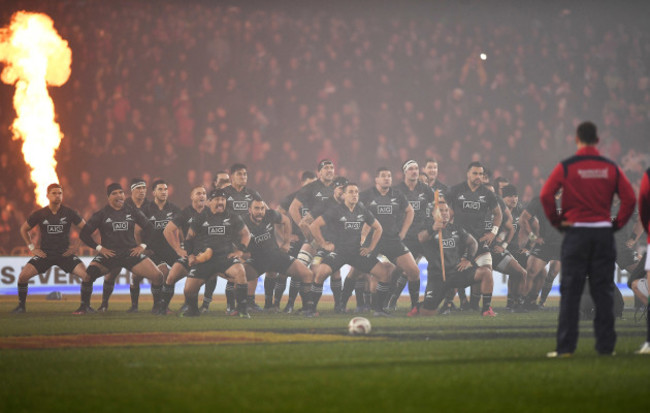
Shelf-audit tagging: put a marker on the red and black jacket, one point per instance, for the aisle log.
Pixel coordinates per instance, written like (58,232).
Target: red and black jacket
(589,182)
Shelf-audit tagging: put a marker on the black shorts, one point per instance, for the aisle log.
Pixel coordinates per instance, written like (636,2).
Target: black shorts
(271,261)
(521,257)
(184,262)
(625,256)
(500,260)
(413,245)
(391,249)
(437,289)
(67,264)
(547,252)
(218,264)
(335,260)
(168,258)
(120,260)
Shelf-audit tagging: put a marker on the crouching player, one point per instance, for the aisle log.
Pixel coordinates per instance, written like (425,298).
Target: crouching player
(458,246)
(211,240)
(264,252)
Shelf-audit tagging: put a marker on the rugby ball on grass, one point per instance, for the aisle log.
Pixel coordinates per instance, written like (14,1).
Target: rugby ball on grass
(359,326)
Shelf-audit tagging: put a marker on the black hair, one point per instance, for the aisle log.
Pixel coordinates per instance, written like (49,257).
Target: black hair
(587,133)
(382,169)
(158,182)
(237,167)
(475,164)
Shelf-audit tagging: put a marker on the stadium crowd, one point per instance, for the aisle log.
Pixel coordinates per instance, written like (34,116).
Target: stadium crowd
(181,90)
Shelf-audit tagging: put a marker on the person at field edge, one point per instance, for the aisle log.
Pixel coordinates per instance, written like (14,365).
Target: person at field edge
(589,182)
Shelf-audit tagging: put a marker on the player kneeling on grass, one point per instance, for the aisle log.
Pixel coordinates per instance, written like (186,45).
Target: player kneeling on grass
(264,254)
(459,272)
(211,240)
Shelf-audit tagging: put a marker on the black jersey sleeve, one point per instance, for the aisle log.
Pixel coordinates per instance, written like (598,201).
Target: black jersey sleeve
(87,231)
(274,216)
(367,216)
(34,219)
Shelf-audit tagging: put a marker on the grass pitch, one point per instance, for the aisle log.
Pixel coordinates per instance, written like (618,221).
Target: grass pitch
(283,363)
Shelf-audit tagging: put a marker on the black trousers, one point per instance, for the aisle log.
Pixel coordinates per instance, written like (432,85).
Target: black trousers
(587,252)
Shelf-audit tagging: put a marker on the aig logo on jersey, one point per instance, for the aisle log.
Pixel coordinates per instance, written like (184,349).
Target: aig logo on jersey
(472,205)
(353,225)
(261,238)
(415,205)
(384,209)
(161,224)
(449,243)
(55,229)
(240,205)
(217,230)
(120,226)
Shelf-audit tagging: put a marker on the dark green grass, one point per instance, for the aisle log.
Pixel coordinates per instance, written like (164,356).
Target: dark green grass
(456,363)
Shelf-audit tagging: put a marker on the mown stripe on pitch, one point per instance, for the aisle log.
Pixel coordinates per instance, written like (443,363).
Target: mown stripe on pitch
(162,339)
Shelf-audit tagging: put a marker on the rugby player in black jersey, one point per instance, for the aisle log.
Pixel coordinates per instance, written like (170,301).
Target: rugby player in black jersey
(395,214)
(545,247)
(421,197)
(460,272)
(264,254)
(175,233)
(472,204)
(160,213)
(221,180)
(431,171)
(346,222)
(516,285)
(138,200)
(54,222)
(116,223)
(238,197)
(502,260)
(308,197)
(215,232)
(331,203)
(297,239)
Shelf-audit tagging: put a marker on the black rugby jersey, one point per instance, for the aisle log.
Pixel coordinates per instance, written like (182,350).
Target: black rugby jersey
(54,228)
(546,230)
(217,231)
(388,209)
(454,245)
(184,219)
(471,208)
(504,218)
(263,234)
(516,213)
(421,199)
(285,204)
(116,228)
(159,218)
(319,210)
(129,202)
(346,226)
(239,201)
(313,194)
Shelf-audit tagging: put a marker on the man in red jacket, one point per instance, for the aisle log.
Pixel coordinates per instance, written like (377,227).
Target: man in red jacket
(589,182)
(644,213)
